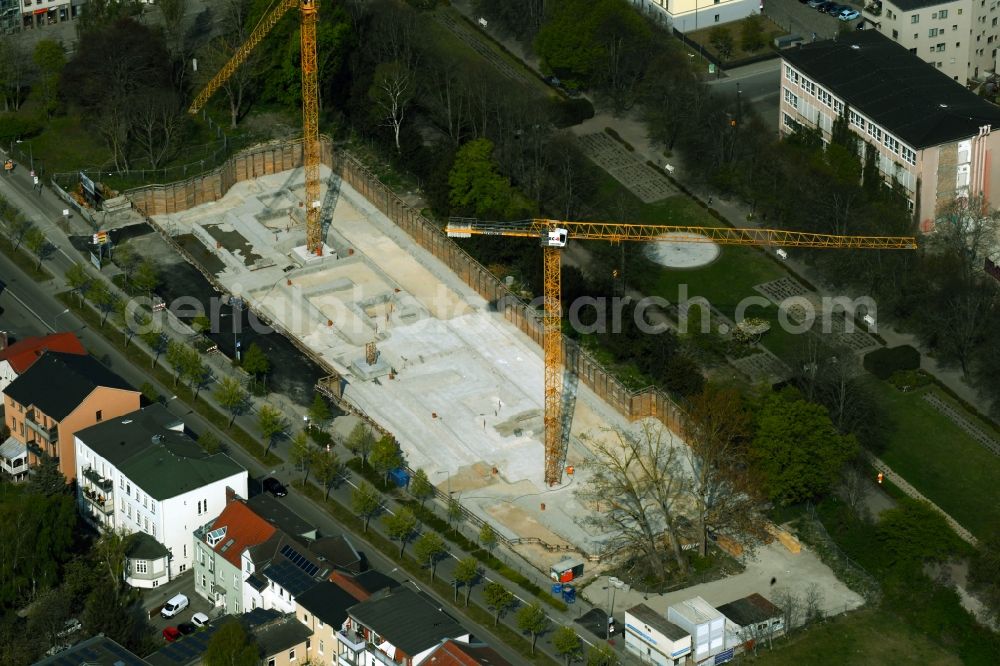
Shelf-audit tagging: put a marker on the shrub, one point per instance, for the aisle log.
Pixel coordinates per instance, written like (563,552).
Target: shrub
(883,362)
(569,112)
(15,126)
(906,380)
(617,137)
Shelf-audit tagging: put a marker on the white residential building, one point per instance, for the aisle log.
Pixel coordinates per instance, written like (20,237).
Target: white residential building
(653,639)
(691,15)
(707,627)
(959,37)
(141,473)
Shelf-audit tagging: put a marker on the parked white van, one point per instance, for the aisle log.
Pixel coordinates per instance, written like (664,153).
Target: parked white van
(174,606)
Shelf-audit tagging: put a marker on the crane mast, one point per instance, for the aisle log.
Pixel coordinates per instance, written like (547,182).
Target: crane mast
(553,235)
(310,100)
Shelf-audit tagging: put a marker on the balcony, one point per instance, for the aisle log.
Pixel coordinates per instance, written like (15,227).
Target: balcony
(92,475)
(872,11)
(99,502)
(352,640)
(50,434)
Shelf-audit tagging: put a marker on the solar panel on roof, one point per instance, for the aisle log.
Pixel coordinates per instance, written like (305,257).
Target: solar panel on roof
(299,560)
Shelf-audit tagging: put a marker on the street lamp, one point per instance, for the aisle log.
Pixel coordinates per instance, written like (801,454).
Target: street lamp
(612,589)
(31,153)
(444,471)
(56,320)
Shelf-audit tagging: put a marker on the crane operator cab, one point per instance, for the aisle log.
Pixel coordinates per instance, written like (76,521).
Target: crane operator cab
(554,238)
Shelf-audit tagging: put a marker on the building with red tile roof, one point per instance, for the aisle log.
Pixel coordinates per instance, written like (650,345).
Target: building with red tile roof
(18,357)
(455,653)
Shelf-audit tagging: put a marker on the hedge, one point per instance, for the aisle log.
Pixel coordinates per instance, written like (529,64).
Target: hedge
(885,361)
(573,111)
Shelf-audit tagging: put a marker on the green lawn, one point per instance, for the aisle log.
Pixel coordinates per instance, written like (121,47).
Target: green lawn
(862,638)
(940,460)
(67,145)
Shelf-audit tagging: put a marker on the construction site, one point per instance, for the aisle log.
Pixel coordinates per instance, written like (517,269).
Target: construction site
(417,350)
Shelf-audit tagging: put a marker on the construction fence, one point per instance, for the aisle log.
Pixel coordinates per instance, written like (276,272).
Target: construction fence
(280,156)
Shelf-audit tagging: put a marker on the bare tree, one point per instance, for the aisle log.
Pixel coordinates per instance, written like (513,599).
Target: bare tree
(392,92)
(967,230)
(855,486)
(114,124)
(635,488)
(791,607)
(716,428)
(813,603)
(156,124)
(15,59)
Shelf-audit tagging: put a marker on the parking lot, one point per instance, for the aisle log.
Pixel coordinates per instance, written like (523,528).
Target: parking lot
(153,599)
(803,20)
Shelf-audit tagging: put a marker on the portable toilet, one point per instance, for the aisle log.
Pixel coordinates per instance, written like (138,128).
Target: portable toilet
(569,594)
(399,477)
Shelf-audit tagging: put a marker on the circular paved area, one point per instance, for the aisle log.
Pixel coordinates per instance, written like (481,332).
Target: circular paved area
(682,254)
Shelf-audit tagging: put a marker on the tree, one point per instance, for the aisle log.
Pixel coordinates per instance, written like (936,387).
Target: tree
(105,300)
(271,423)
(466,573)
(752,33)
(301,454)
(477,188)
(50,59)
(912,533)
(566,643)
(429,548)
(231,395)
(232,645)
(110,550)
(366,502)
(635,492)
(198,374)
(14,66)
(717,428)
(984,571)
(156,122)
(145,278)
(329,469)
(360,442)
(209,442)
(132,319)
(79,280)
(255,361)
(49,613)
(487,538)
(38,244)
(796,452)
(17,228)
(47,480)
(393,89)
(158,342)
(127,260)
(386,456)
(533,620)
(454,510)
(201,324)
(602,654)
(498,599)
(319,411)
(420,487)
(720,38)
(401,526)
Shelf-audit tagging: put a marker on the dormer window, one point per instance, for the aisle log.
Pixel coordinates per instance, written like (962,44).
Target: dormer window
(215,536)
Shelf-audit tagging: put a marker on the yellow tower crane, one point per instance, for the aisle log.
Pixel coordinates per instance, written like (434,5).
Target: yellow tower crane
(554,234)
(310,100)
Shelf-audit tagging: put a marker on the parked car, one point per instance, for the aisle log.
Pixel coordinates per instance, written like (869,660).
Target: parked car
(186,628)
(171,634)
(815,3)
(849,15)
(824,6)
(174,606)
(70,628)
(835,9)
(275,487)
(199,620)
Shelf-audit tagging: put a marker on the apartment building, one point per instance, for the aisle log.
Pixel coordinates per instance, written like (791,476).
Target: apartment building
(40,13)
(932,135)
(691,15)
(653,639)
(959,37)
(15,359)
(59,395)
(141,473)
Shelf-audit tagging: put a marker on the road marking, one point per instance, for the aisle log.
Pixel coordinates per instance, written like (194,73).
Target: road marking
(25,306)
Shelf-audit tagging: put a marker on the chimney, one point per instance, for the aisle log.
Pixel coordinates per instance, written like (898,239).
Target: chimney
(230,495)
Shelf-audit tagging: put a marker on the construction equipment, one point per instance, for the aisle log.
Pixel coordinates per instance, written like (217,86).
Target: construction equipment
(554,235)
(310,100)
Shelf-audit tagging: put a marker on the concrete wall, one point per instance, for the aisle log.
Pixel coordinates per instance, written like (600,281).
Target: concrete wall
(280,156)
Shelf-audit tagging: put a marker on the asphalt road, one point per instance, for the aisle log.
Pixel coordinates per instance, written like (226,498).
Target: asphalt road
(30,308)
(758,86)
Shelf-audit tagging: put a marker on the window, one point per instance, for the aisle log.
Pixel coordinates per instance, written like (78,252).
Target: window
(140,567)
(716,18)
(895,34)
(875,132)
(128,488)
(791,99)
(943,14)
(915,18)
(940,47)
(824,97)
(145,524)
(248,566)
(838,106)
(201,556)
(954,28)
(909,156)
(305,617)
(791,74)
(185,551)
(153,533)
(203,581)
(236,604)
(97,416)
(270,662)
(291,655)
(808,86)
(236,580)
(857,120)
(891,143)
(932,32)
(320,650)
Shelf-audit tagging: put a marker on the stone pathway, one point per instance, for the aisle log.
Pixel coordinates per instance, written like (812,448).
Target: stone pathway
(467,35)
(626,167)
(762,366)
(902,484)
(965,424)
